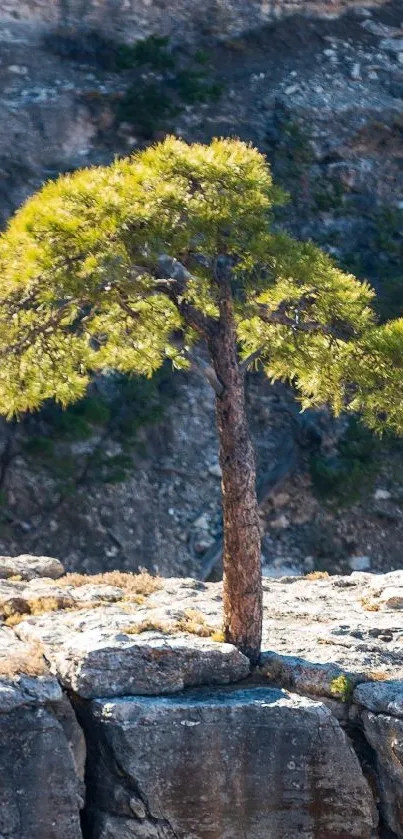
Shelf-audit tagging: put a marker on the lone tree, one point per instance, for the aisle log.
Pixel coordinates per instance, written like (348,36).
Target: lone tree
(121,267)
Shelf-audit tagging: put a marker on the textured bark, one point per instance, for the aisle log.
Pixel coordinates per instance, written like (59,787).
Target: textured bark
(241,557)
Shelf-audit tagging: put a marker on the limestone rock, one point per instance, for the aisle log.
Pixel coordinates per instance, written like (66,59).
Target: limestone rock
(381,697)
(91,654)
(317,629)
(224,764)
(39,792)
(42,751)
(24,678)
(385,735)
(139,18)
(27,567)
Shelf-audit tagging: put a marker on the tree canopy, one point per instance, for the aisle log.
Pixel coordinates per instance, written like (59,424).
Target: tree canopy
(118,267)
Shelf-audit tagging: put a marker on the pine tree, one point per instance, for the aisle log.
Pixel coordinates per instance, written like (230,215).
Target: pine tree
(126,265)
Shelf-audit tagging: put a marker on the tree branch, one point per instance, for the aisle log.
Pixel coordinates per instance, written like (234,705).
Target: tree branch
(280,318)
(171,269)
(201,366)
(37,331)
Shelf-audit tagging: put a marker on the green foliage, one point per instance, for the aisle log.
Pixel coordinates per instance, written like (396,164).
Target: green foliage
(161,80)
(38,446)
(83,287)
(380,256)
(329,195)
(153,51)
(342,688)
(192,86)
(136,403)
(343,475)
(92,47)
(148,107)
(152,101)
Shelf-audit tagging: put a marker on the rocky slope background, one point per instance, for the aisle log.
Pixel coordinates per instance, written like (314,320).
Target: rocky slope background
(129,478)
(123,715)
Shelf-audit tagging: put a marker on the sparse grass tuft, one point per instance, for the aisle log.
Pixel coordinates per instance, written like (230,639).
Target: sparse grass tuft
(14,619)
(140,584)
(150,625)
(191,621)
(317,575)
(28,663)
(369,605)
(218,636)
(41,605)
(194,622)
(16,610)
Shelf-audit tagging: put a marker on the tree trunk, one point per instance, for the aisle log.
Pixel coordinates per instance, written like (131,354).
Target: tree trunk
(241,557)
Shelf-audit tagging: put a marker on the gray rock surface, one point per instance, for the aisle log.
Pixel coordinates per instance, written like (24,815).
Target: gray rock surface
(42,749)
(224,764)
(385,735)
(136,18)
(91,654)
(315,630)
(381,697)
(28,567)
(335,638)
(39,789)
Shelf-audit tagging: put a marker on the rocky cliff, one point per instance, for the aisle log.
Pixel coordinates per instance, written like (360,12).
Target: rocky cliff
(132,19)
(119,700)
(322,98)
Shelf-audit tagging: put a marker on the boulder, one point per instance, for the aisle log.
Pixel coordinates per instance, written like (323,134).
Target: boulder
(227,763)
(27,567)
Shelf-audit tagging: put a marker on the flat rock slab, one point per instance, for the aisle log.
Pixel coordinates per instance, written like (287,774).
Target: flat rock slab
(19,597)
(314,630)
(28,567)
(254,763)
(91,654)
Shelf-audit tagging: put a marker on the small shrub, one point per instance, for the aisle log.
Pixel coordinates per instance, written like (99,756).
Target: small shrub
(342,688)
(154,51)
(348,471)
(148,107)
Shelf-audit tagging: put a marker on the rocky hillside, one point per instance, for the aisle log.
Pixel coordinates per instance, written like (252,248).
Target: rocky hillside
(109,687)
(129,478)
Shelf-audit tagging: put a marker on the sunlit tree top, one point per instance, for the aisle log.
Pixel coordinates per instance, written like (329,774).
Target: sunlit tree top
(122,266)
